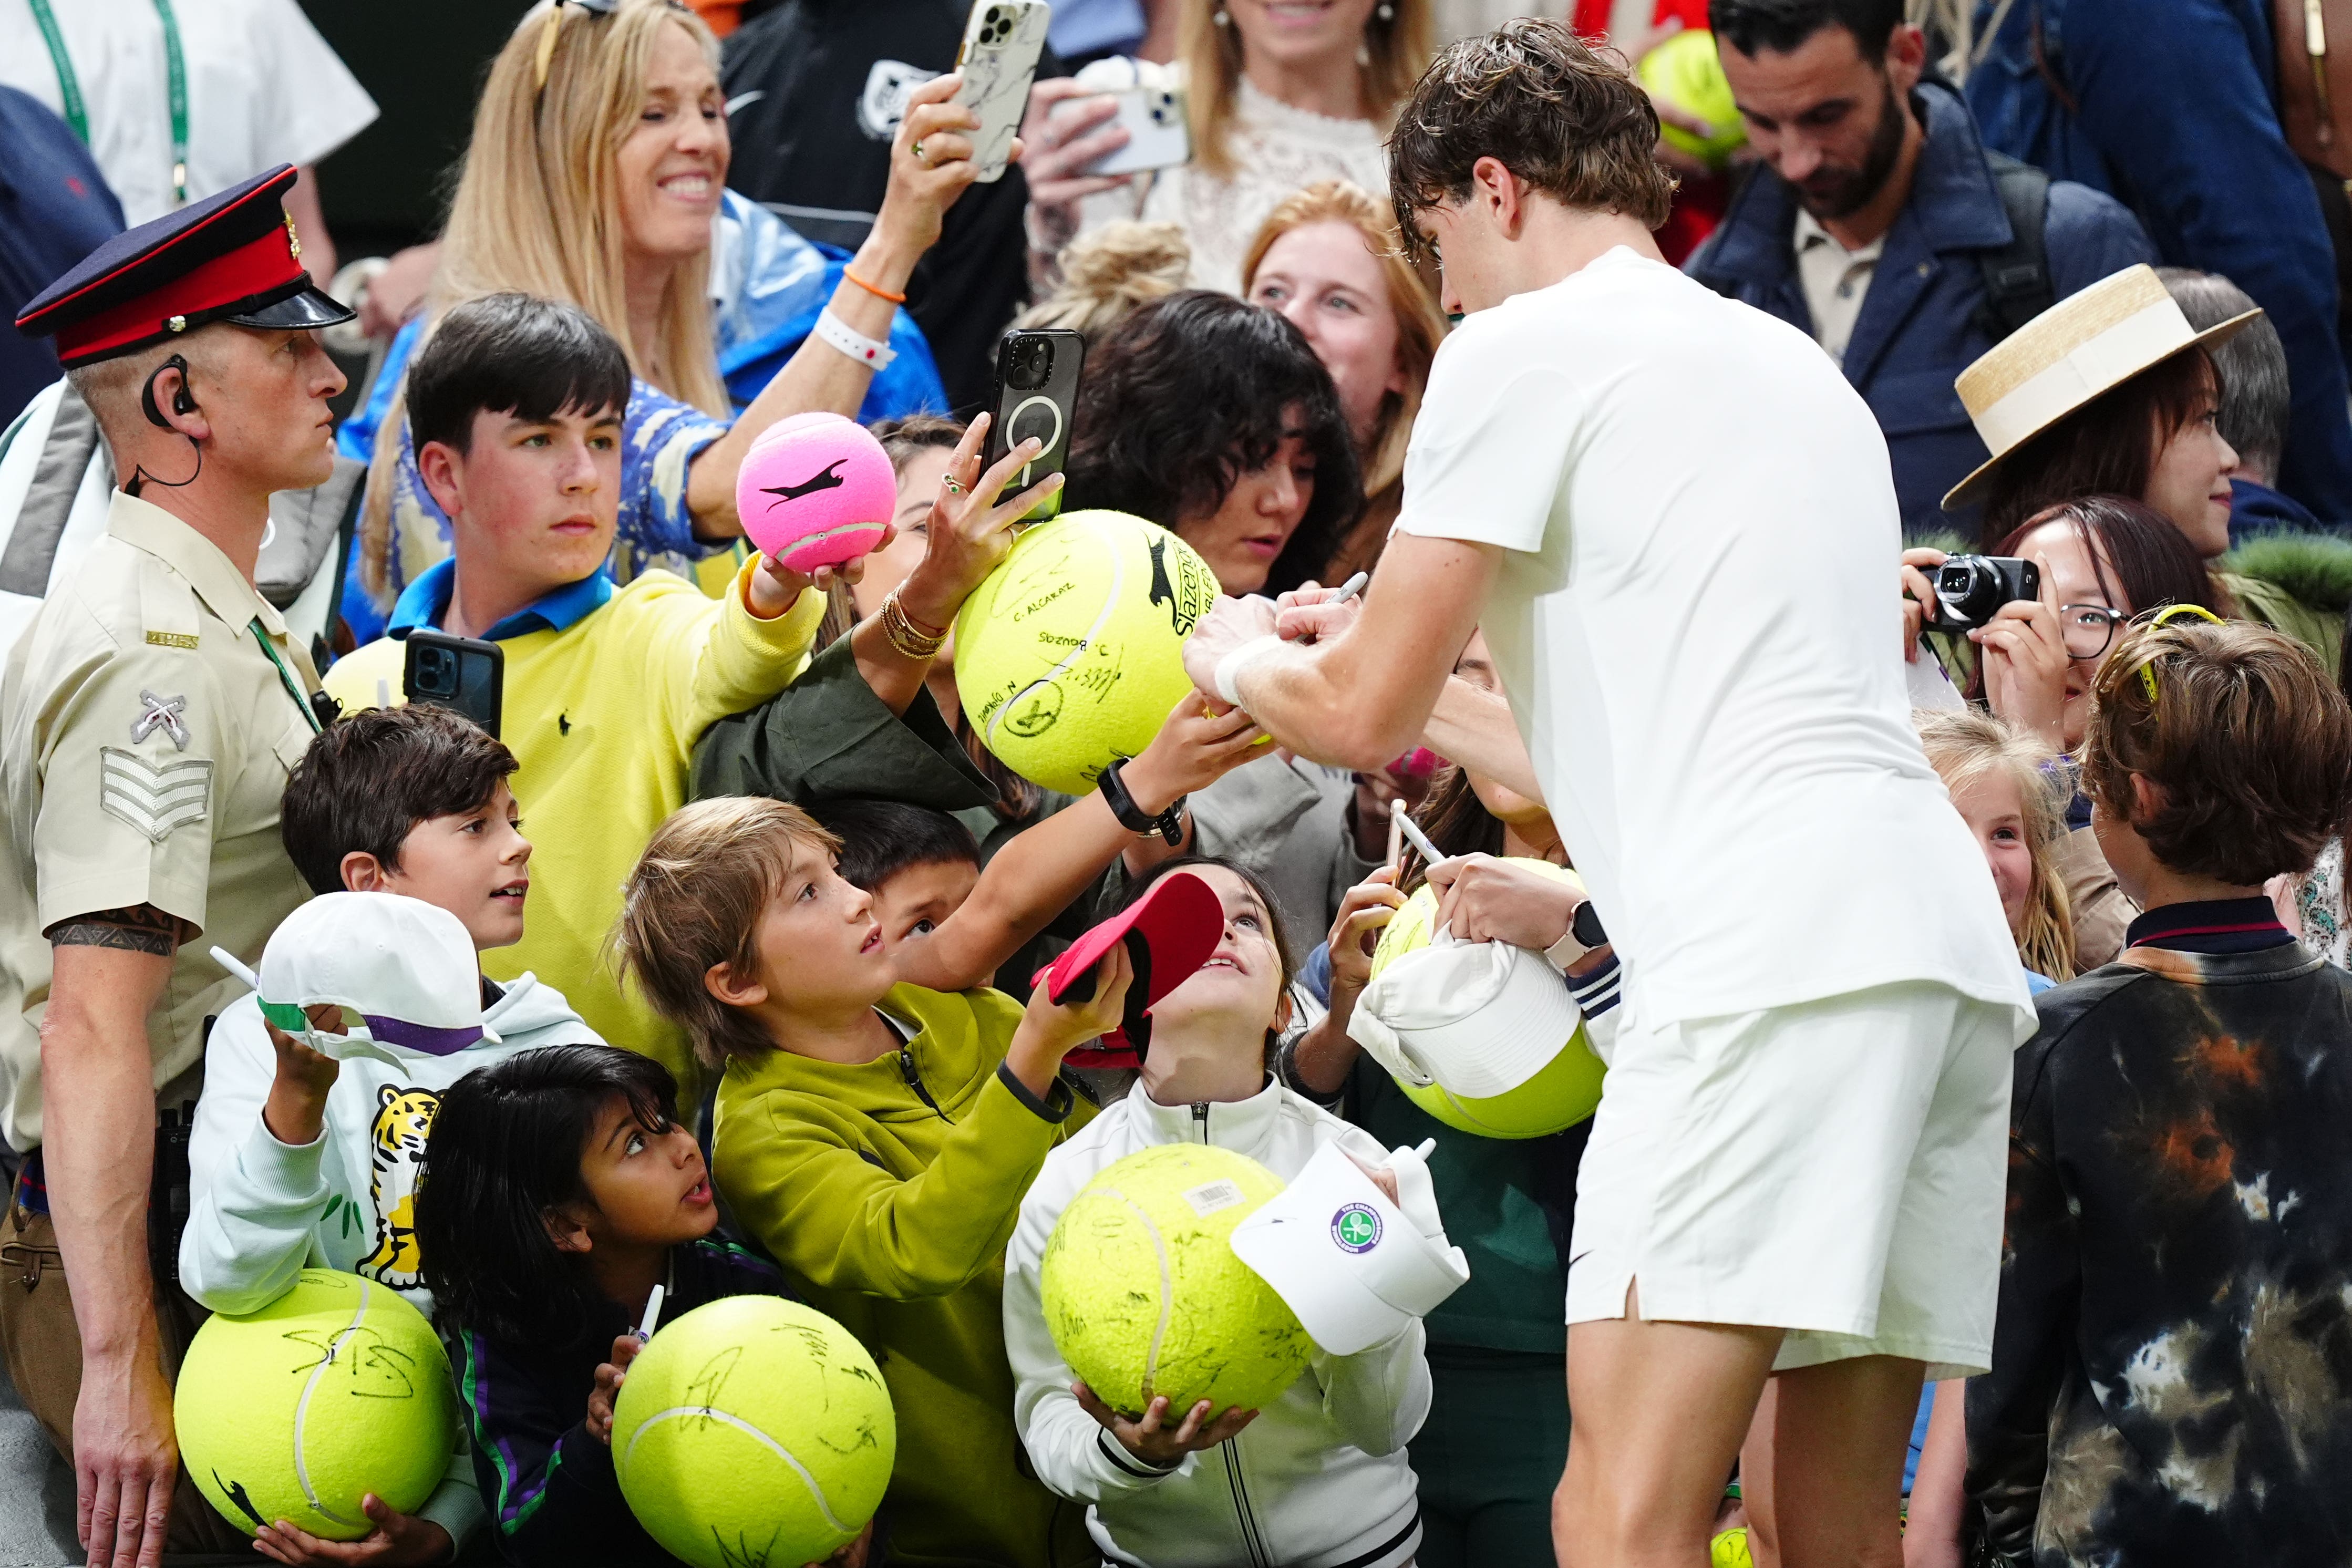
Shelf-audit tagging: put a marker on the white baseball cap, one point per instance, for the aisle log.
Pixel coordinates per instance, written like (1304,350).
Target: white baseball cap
(1354,1267)
(405,968)
(1476,1018)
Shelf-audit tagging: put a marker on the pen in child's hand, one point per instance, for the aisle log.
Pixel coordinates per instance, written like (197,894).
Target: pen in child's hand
(652,1315)
(1411,829)
(1351,587)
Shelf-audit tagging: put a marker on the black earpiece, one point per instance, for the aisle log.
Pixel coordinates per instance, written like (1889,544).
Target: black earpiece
(182,400)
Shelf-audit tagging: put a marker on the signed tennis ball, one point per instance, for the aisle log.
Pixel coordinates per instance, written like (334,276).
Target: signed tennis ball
(1686,72)
(816,490)
(1071,654)
(753,1429)
(297,1411)
(1144,1295)
(1564,1092)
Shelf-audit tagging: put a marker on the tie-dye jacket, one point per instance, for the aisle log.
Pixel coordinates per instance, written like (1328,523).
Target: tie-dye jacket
(2172,1367)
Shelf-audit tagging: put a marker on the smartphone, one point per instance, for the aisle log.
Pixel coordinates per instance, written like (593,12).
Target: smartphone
(1002,41)
(1036,390)
(1157,134)
(460,674)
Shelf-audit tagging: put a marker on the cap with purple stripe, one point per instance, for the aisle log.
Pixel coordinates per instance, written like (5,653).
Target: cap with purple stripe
(405,969)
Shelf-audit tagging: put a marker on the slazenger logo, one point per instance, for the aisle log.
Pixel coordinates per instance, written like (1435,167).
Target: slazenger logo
(1356,1227)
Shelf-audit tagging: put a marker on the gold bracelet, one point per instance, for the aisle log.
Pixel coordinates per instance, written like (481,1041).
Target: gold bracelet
(900,628)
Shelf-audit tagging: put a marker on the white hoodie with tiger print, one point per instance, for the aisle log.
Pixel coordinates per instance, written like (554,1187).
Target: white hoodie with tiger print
(261,1211)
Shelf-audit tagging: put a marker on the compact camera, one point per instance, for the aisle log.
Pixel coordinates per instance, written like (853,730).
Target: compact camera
(1972,589)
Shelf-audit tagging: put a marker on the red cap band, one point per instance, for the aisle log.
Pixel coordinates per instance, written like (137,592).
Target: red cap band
(257,268)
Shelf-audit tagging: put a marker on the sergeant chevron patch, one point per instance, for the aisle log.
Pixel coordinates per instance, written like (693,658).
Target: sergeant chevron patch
(156,798)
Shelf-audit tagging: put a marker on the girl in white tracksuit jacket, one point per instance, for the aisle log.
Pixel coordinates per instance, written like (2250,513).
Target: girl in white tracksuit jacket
(1320,1479)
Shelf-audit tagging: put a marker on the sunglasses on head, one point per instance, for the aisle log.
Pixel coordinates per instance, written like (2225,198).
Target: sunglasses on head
(554,24)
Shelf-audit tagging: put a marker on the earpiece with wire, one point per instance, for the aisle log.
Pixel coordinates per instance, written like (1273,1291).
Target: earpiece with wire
(183,401)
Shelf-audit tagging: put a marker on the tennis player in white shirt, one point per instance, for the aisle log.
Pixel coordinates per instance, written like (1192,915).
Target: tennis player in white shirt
(1672,518)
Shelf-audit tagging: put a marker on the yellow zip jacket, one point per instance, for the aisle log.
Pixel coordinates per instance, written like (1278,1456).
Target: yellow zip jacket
(602,713)
(888,1192)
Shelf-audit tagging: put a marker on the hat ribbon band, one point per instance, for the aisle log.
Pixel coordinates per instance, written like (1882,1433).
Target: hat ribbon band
(2152,334)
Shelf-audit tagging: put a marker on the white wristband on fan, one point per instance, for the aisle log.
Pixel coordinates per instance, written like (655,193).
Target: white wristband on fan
(1230,667)
(871,352)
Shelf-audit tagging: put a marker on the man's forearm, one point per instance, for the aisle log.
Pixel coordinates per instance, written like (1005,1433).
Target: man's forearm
(98,1140)
(1474,728)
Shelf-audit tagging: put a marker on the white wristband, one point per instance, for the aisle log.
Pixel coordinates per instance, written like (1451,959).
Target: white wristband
(1230,667)
(871,352)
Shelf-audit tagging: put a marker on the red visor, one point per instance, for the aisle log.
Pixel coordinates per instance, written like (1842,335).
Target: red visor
(1170,933)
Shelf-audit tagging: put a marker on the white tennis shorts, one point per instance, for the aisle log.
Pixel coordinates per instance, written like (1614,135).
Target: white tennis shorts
(1836,1169)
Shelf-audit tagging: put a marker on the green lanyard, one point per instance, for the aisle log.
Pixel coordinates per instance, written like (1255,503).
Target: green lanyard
(293,687)
(175,69)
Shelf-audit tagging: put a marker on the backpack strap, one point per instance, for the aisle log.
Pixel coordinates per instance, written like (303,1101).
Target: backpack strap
(2017,274)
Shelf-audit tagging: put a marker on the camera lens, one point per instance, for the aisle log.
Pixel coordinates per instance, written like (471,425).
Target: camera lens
(1031,360)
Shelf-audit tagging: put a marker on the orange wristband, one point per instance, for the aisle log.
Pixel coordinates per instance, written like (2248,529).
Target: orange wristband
(877,293)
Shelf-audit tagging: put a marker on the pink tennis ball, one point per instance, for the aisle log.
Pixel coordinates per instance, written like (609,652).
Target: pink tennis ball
(816,490)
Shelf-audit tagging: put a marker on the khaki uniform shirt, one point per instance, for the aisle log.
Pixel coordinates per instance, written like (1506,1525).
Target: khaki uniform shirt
(1836,281)
(145,740)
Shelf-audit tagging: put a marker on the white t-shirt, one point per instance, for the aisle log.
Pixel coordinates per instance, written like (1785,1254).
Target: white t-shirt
(1697,627)
(264,88)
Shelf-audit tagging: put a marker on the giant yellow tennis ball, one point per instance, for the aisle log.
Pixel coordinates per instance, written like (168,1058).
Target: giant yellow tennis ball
(1686,72)
(1071,654)
(1143,1293)
(1563,1093)
(297,1412)
(753,1430)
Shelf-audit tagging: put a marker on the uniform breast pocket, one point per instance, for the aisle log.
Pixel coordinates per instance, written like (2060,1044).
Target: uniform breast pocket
(250,796)
(1929,439)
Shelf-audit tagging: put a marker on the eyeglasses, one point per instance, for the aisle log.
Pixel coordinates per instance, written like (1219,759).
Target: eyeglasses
(554,24)
(2088,629)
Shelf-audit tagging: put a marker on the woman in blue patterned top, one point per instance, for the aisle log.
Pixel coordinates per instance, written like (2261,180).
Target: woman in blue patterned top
(597,174)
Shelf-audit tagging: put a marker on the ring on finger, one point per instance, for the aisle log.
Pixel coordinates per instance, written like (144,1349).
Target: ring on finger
(953,488)
(918,149)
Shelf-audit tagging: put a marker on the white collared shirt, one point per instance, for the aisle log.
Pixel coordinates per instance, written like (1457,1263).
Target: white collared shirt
(1835,281)
(264,88)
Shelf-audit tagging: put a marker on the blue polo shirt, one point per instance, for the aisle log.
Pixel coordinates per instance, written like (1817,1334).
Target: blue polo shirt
(55,209)
(423,601)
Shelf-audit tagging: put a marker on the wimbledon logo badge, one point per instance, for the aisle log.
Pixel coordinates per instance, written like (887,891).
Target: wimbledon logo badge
(1356,1227)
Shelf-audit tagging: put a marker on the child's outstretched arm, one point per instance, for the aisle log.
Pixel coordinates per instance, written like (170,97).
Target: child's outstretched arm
(809,1194)
(258,1173)
(1037,876)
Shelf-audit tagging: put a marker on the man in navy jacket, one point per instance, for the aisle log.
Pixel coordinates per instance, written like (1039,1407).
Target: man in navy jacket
(2168,104)
(1877,222)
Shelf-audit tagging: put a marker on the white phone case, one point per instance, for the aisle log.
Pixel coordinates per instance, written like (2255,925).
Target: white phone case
(1157,136)
(1002,42)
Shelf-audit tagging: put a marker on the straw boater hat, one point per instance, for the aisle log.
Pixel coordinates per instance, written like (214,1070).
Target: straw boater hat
(2084,345)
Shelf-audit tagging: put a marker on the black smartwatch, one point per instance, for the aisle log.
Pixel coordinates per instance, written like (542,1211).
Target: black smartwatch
(1168,825)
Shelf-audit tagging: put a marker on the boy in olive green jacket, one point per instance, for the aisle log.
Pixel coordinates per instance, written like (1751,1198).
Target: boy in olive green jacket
(881,1113)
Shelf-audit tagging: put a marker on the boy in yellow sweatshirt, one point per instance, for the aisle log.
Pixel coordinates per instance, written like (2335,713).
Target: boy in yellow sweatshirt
(881,1111)
(516,407)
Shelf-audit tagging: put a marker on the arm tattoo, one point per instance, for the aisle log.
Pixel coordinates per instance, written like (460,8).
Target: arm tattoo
(143,928)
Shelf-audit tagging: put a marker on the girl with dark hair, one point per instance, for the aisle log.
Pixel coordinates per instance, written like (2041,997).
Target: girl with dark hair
(558,1189)
(1321,1471)
(2102,558)
(1215,419)
(2134,417)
